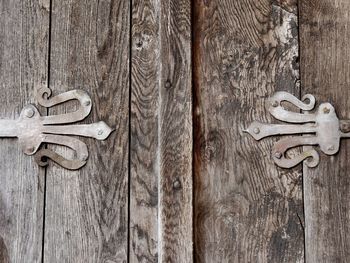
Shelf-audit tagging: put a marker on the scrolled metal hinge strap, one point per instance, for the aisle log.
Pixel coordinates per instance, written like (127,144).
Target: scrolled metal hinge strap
(34,130)
(319,128)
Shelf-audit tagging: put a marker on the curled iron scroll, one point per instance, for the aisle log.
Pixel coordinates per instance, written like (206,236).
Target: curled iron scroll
(34,130)
(319,128)
(53,133)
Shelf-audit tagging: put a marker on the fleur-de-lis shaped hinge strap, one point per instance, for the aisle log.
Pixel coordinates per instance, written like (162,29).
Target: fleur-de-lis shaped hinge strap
(318,128)
(34,130)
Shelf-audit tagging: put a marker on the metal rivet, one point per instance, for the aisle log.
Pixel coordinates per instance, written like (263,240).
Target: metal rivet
(326,110)
(100,132)
(87,103)
(275,104)
(29,113)
(331,148)
(256,130)
(278,155)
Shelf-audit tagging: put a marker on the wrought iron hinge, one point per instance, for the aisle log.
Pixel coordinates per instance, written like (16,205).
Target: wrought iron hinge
(319,128)
(34,130)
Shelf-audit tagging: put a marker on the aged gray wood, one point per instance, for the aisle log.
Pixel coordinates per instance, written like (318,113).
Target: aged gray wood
(161,138)
(325,56)
(144,143)
(24,27)
(175,133)
(87,210)
(246,209)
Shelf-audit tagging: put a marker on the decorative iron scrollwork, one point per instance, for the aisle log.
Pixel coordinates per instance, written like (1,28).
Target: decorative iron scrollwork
(321,127)
(34,130)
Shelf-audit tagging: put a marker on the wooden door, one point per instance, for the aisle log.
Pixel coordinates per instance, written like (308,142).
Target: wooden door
(178,180)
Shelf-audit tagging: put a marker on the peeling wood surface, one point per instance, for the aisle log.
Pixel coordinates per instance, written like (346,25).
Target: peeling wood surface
(23,68)
(87,210)
(161,138)
(246,209)
(325,56)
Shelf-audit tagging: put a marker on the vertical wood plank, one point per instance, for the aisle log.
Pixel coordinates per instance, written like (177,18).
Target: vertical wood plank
(87,210)
(144,143)
(24,27)
(175,138)
(246,209)
(161,125)
(325,71)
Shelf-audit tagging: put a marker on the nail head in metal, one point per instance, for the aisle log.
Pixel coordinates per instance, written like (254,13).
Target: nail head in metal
(278,155)
(331,148)
(275,104)
(29,113)
(326,110)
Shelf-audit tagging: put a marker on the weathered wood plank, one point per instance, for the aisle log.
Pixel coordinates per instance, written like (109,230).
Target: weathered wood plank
(161,139)
(24,27)
(325,56)
(144,143)
(87,211)
(175,133)
(246,209)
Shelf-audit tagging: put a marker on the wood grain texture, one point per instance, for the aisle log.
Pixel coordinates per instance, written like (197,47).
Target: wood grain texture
(87,210)
(144,143)
(246,209)
(24,27)
(175,133)
(325,56)
(161,139)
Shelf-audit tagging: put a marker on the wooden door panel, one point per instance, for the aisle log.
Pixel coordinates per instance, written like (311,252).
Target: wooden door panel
(24,41)
(161,132)
(325,56)
(178,180)
(246,209)
(86,215)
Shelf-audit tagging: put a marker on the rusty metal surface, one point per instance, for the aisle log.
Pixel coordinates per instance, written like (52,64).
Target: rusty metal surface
(34,130)
(320,128)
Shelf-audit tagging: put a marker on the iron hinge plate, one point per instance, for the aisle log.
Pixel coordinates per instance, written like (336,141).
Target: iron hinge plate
(318,128)
(34,130)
